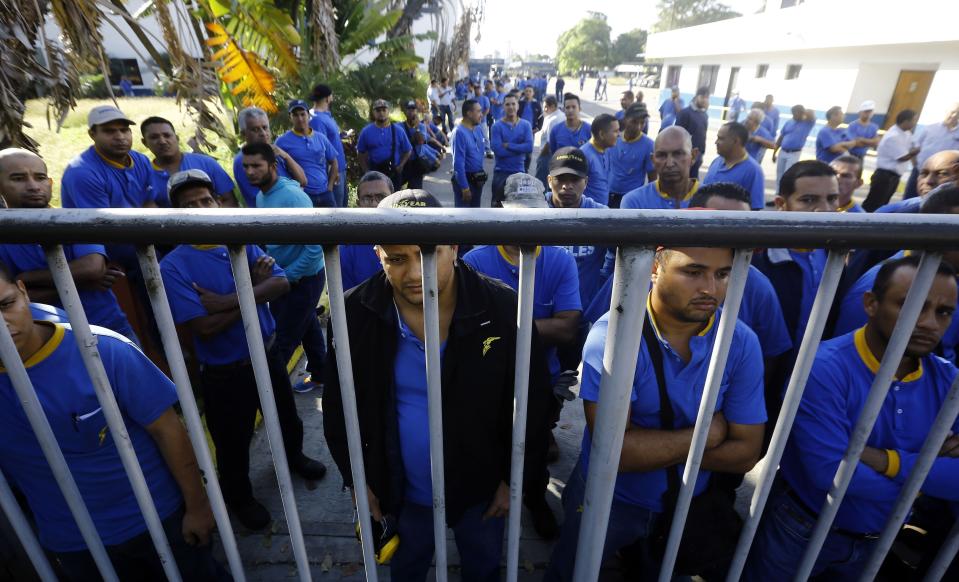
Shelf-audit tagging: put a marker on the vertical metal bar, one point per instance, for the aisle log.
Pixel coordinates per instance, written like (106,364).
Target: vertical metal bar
(524,337)
(51,451)
(707,406)
(24,533)
(947,553)
(927,456)
(797,383)
(264,387)
(901,333)
(344,364)
(87,344)
(434,380)
(626,317)
(191,415)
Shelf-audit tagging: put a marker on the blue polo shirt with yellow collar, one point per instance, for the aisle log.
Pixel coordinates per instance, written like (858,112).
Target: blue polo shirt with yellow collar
(93,181)
(222,184)
(313,152)
(561,136)
(590,259)
(746,172)
(835,394)
(649,197)
(630,163)
(597,186)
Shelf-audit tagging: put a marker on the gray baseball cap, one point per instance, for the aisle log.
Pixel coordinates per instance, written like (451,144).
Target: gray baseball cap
(105,114)
(185,178)
(524,191)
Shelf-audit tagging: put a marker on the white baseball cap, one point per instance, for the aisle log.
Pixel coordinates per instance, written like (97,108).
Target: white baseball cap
(105,114)
(867,105)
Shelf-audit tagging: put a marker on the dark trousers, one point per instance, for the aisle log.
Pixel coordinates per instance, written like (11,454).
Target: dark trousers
(136,559)
(296,322)
(542,169)
(475,189)
(499,187)
(412,177)
(323,199)
(479,541)
(881,188)
(912,184)
(615,199)
(340,192)
(446,112)
(231,402)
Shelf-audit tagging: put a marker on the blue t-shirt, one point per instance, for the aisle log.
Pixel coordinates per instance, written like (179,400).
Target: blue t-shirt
(561,136)
(70,404)
(313,153)
(496,104)
(210,269)
(649,197)
(630,162)
(794,134)
(358,263)
(825,139)
(412,413)
(484,104)
(907,206)
(668,111)
(92,181)
(597,187)
(555,289)
(249,191)
(100,306)
(526,112)
(756,150)
(297,260)
(812,264)
(323,121)
(222,183)
(468,150)
(740,397)
(746,172)
(511,144)
(773,116)
(589,258)
(379,141)
(856,130)
(836,391)
(427,153)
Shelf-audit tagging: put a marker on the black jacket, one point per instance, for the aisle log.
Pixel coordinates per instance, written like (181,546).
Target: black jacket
(537,113)
(477,392)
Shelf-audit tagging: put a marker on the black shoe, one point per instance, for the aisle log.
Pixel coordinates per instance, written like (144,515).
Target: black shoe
(252,515)
(309,469)
(544,522)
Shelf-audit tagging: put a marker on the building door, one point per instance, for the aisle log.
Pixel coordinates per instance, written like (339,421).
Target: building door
(730,89)
(911,91)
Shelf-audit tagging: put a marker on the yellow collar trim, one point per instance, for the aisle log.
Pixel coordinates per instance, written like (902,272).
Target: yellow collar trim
(870,360)
(652,318)
(206,247)
(508,259)
(737,162)
(302,134)
(694,185)
(847,206)
(635,139)
(111,163)
(593,143)
(46,349)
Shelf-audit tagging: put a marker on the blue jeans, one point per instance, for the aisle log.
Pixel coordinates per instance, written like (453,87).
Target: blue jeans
(783,536)
(296,322)
(323,199)
(340,192)
(627,524)
(479,541)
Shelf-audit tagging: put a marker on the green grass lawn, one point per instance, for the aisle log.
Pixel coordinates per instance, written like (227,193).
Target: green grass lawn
(59,148)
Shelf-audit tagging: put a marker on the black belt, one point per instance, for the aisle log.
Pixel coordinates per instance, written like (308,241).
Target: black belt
(844,532)
(792,151)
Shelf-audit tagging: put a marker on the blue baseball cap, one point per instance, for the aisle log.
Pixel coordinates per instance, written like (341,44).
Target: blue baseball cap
(297,104)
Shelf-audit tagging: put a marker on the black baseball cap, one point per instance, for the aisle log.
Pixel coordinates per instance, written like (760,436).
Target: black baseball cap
(569,160)
(636,110)
(410,199)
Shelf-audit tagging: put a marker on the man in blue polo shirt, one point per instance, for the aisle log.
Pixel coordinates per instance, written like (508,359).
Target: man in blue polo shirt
(760,139)
(605,131)
(831,141)
(669,108)
(772,113)
(688,286)
(146,398)
(202,294)
(574,132)
(161,139)
(322,121)
(255,127)
(863,130)
(495,96)
(695,120)
(295,312)
(736,107)
(359,262)
(512,141)
(631,159)
(837,389)
(382,146)
(468,174)
(673,155)
(735,165)
(531,110)
(314,153)
(24,183)
(849,173)
(792,139)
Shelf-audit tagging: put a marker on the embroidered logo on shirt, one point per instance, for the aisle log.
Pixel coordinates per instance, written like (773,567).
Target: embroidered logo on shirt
(103,435)
(488,343)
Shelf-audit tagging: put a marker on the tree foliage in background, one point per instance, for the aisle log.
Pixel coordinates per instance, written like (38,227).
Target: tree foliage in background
(627,46)
(675,14)
(585,45)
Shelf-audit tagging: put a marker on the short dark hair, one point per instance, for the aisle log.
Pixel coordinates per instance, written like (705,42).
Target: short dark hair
(738,130)
(905,115)
(850,159)
(5,273)
(573,96)
(727,190)
(803,169)
(511,95)
(467,105)
(374,176)
(833,110)
(320,92)
(796,109)
(154,120)
(942,200)
(601,123)
(264,150)
(702,91)
(880,285)
(550,100)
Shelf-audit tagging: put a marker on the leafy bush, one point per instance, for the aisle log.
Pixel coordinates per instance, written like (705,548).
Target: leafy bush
(93,87)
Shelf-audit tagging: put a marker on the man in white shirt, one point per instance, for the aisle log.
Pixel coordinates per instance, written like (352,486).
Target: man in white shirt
(433,96)
(551,116)
(935,138)
(894,156)
(447,96)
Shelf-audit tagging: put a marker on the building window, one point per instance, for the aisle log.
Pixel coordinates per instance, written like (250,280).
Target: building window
(672,75)
(707,77)
(792,72)
(761,71)
(128,68)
